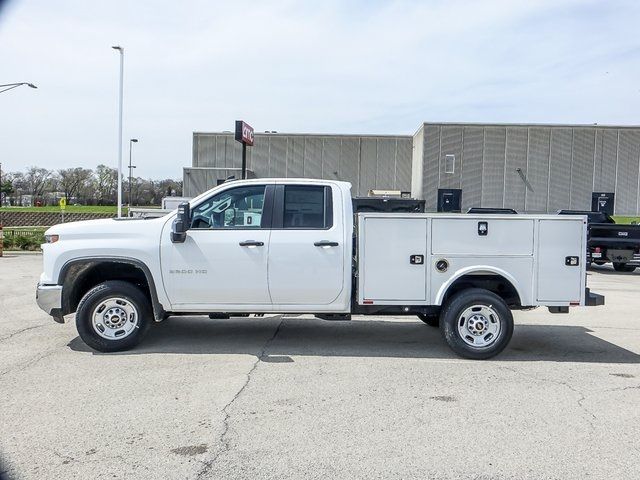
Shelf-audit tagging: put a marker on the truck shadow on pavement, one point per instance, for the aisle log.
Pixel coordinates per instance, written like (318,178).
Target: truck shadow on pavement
(276,339)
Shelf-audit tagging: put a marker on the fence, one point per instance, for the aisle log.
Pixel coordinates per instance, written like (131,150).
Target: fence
(23,238)
(29,232)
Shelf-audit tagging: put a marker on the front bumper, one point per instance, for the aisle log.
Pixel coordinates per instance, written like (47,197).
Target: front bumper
(49,299)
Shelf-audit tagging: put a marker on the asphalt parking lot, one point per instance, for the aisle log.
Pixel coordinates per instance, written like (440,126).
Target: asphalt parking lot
(297,397)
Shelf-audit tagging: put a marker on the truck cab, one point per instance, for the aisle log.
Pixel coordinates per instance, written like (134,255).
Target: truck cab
(262,246)
(295,246)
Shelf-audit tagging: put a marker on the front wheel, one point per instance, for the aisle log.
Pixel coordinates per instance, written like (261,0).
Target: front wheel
(476,324)
(623,267)
(113,316)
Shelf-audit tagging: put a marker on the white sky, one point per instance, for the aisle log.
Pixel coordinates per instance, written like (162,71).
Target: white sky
(326,66)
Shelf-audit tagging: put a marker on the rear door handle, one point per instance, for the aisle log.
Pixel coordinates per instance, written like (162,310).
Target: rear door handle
(325,243)
(251,243)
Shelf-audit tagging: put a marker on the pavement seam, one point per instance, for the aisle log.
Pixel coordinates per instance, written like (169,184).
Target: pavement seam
(222,439)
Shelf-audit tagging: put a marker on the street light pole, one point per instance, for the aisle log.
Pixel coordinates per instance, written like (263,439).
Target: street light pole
(131,142)
(121,50)
(9,86)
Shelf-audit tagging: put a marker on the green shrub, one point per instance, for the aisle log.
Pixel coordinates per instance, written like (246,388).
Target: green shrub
(22,242)
(8,243)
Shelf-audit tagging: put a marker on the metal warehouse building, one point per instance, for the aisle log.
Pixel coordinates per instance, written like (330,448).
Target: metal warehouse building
(531,168)
(382,162)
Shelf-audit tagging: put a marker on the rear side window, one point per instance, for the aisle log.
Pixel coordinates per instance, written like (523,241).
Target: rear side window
(307,207)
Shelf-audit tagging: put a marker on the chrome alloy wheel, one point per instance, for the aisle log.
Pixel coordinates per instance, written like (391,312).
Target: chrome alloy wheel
(479,326)
(114,318)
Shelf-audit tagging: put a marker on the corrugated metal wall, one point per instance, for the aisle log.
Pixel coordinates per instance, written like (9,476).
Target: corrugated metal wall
(532,168)
(380,162)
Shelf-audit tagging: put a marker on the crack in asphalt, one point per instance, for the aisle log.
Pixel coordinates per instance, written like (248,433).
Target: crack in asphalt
(222,438)
(564,384)
(32,361)
(620,389)
(20,331)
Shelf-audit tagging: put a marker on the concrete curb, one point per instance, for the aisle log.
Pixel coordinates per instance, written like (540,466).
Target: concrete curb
(13,253)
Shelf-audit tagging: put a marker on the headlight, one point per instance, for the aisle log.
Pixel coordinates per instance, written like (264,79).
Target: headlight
(51,238)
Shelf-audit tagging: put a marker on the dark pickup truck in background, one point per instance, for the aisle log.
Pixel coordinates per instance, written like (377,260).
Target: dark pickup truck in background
(608,241)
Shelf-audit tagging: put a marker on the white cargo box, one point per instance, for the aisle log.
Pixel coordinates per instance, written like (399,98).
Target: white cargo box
(542,256)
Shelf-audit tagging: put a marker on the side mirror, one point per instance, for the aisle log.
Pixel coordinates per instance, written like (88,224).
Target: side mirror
(181,224)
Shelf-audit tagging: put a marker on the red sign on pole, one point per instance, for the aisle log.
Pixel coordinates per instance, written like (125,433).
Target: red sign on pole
(244,133)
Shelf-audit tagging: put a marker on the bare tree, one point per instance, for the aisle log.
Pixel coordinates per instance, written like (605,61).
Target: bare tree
(83,184)
(37,180)
(72,181)
(106,179)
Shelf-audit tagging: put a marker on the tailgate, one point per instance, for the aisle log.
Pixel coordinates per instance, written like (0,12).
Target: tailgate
(614,235)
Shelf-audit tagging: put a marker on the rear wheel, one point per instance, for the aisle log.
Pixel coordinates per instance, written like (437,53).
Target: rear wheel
(113,316)
(432,320)
(476,324)
(623,267)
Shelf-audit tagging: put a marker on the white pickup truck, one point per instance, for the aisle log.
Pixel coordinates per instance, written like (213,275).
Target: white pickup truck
(289,246)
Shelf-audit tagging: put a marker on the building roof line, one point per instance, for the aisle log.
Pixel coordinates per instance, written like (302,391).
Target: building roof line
(285,134)
(497,124)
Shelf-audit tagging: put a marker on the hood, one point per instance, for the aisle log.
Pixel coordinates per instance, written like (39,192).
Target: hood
(107,228)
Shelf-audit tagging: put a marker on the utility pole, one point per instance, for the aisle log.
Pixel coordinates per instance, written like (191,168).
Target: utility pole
(131,142)
(121,50)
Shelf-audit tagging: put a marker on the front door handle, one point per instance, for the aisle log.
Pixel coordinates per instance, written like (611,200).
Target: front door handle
(251,243)
(325,243)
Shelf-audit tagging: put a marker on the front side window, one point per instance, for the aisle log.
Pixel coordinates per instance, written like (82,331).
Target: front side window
(307,207)
(234,208)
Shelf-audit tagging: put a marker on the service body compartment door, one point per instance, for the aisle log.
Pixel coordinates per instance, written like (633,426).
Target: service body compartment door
(482,235)
(559,280)
(392,259)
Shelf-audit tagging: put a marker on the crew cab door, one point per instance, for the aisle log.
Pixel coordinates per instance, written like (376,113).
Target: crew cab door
(307,248)
(223,260)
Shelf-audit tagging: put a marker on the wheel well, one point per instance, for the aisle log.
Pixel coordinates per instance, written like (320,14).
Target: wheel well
(81,277)
(494,283)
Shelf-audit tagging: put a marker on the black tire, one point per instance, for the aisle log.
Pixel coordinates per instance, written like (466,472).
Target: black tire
(101,293)
(432,320)
(599,262)
(623,267)
(451,315)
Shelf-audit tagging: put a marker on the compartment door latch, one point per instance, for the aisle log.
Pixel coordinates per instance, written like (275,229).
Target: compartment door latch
(572,261)
(416,259)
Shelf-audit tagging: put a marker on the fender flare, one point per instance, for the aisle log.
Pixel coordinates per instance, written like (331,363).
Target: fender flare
(442,291)
(158,310)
